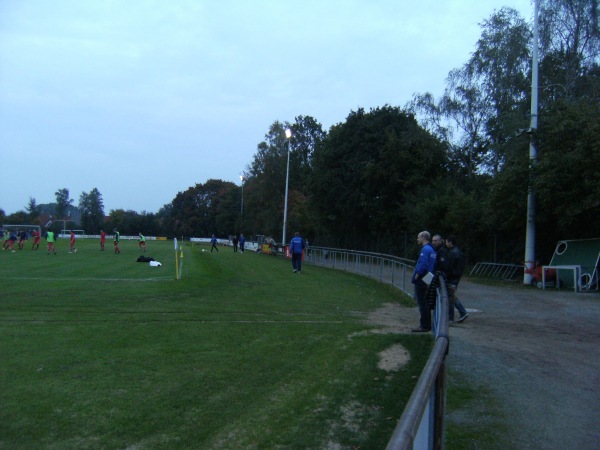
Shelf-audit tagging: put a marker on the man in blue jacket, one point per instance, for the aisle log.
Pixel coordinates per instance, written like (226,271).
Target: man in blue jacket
(296,247)
(425,264)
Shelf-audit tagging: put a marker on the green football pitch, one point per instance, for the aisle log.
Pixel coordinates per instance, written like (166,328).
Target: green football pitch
(100,351)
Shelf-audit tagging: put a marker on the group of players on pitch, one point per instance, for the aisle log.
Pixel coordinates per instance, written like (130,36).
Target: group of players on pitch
(10,237)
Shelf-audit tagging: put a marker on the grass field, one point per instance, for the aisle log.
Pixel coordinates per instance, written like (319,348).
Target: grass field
(99,351)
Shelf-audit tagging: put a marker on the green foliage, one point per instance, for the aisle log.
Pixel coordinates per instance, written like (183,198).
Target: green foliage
(34,210)
(92,211)
(363,170)
(205,209)
(568,181)
(63,202)
(265,186)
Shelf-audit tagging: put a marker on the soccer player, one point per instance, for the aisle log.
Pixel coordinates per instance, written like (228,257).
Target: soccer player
(213,243)
(36,240)
(72,248)
(11,241)
(50,239)
(22,239)
(6,238)
(142,243)
(116,240)
(102,239)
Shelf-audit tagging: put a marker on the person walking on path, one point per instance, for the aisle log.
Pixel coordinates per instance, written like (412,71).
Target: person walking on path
(454,271)
(296,248)
(50,240)
(425,265)
(213,243)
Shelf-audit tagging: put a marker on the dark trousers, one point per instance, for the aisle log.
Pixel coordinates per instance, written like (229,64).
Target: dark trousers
(421,298)
(297,261)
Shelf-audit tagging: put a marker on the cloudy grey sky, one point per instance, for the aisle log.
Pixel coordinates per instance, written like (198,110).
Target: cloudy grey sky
(145,98)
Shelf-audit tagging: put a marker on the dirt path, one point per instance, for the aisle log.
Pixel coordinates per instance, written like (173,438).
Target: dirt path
(539,353)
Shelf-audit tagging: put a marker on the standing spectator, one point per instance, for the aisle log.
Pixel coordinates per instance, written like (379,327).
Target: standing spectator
(242,243)
(441,252)
(50,240)
(456,266)
(296,248)
(213,243)
(142,243)
(235,241)
(36,240)
(425,264)
(72,248)
(102,239)
(116,240)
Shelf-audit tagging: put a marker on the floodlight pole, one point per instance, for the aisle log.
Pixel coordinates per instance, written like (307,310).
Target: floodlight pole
(530,232)
(288,135)
(242,207)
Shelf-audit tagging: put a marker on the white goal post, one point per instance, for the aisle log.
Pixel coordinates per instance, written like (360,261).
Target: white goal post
(67,233)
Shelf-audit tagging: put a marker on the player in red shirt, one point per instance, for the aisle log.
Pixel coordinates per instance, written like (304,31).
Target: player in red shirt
(36,240)
(72,248)
(102,239)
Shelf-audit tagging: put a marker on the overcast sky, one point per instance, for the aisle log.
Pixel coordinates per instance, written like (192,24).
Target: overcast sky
(143,99)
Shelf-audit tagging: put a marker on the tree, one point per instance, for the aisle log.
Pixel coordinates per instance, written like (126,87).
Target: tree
(63,202)
(568,180)
(195,211)
(362,173)
(570,45)
(92,211)
(33,209)
(485,100)
(264,188)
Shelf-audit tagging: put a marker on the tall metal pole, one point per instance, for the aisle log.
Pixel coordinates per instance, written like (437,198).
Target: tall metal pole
(242,207)
(288,135)
(530,232)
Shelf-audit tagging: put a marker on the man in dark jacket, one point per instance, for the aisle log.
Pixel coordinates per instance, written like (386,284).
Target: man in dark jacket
(455,262)
(425,265)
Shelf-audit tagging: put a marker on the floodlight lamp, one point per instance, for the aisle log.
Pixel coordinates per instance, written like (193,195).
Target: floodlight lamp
(288,133)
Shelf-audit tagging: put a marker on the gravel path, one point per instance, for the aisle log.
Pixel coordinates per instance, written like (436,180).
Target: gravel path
(539,353)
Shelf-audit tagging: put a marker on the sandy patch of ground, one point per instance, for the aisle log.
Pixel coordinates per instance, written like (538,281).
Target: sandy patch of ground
(393,358)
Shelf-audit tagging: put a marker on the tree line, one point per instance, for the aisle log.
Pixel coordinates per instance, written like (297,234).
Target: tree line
(458,164)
